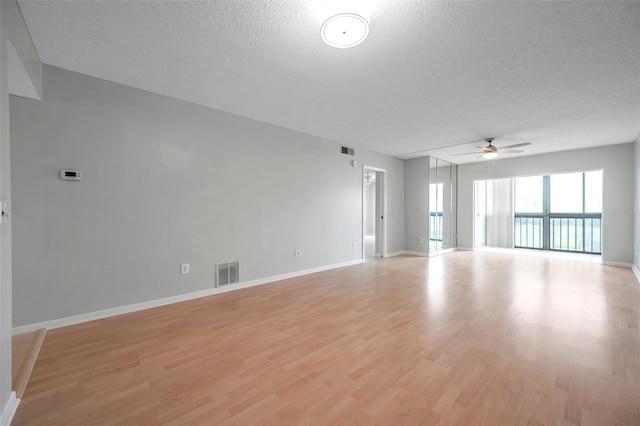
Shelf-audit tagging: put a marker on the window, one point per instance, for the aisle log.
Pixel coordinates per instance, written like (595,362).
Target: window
(529,194)
(529,209)
(559,212)
(566,193)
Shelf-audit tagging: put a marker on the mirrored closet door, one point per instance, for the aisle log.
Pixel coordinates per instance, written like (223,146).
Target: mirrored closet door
(442,204)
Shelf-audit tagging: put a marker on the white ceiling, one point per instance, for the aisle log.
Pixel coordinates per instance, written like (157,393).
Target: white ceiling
(561,75)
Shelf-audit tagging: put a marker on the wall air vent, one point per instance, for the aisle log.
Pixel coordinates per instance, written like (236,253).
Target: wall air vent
(348,151)
(227,273)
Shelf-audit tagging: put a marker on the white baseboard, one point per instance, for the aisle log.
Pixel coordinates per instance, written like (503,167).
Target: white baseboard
(105,313)
(633,267)
(416,253)
(423,254)
(636,272)
(619,264)
(441,252)
(397,253)
(9,410)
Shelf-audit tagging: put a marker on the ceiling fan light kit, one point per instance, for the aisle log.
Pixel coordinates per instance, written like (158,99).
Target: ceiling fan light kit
(489,152)
(489,155)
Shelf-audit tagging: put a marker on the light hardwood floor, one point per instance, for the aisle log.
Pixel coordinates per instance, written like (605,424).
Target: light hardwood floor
(464,338)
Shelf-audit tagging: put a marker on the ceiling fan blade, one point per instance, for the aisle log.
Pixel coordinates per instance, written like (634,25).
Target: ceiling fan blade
(508,147)
(514,151)
(465,153)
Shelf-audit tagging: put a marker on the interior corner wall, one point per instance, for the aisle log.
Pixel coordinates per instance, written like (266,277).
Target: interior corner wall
(617,163)
(168,182)
(416,185)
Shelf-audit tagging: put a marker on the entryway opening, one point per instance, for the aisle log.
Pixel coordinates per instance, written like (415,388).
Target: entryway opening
(373,212)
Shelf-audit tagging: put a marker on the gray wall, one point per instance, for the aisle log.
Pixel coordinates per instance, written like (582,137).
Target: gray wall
(617,163)
(167,182)
(636,210)
(5,229)
(416,187)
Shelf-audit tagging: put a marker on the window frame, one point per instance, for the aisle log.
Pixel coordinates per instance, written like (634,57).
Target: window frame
(547,217)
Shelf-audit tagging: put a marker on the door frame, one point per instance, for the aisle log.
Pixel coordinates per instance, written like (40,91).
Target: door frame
(380,207)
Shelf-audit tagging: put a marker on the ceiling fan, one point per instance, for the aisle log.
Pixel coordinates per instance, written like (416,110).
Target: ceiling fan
(490,152)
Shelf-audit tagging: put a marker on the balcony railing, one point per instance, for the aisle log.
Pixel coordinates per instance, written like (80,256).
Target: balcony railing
(529,232)
(576,234)
(567,232)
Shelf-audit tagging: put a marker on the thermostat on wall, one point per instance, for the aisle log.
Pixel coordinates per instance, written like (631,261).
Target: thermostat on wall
(70,175)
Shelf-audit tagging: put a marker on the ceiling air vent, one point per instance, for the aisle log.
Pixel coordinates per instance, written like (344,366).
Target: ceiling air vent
(348,151)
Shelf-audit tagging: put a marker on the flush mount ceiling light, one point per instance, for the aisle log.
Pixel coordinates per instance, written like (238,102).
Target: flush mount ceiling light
(344,30)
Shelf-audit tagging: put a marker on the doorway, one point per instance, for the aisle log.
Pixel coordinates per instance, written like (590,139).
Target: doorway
(373,212)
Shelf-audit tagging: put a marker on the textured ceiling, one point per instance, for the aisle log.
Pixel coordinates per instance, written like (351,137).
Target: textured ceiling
(560,75)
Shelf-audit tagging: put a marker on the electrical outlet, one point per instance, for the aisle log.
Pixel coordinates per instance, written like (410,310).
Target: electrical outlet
(184,268)
(353,245)
(297,253)
(420,240)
